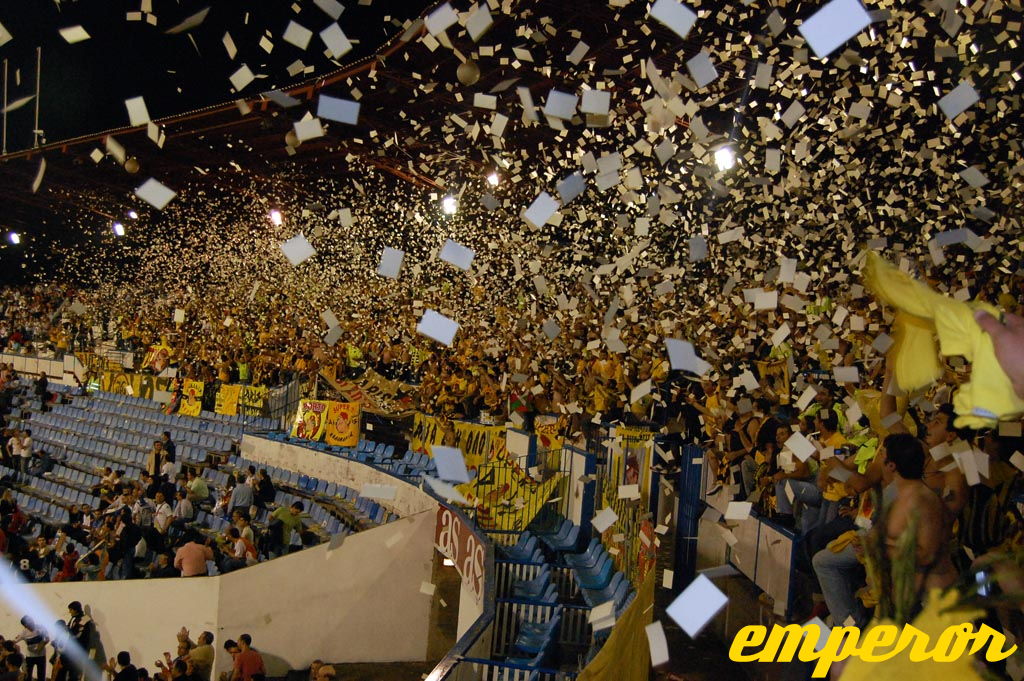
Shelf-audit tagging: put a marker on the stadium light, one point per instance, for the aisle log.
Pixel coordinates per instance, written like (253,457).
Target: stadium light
(133,215)
(14,237)
(725,158)
(449,205)
(276,217)
(118,229)
(493,179)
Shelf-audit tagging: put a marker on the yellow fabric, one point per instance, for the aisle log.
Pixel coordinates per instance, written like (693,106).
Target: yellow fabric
(835,490)
(922,314)
(840,543)
(625,656)
(933,620)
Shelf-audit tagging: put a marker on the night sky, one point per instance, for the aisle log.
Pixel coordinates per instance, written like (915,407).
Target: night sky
(84,85)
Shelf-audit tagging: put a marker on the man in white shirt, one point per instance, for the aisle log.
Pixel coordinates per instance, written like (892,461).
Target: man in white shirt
(183,513)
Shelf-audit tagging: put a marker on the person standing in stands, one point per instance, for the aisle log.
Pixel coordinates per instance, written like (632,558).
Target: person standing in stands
(154,459)
(242,497)
(248,662)
(191,558)
(35,649)
(168,444)
(201,654)
(265,491)
(40,388)
(82,630)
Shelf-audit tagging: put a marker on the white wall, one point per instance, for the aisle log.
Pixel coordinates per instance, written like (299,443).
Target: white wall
(469,609)
(360,602)
(54,368)
(408,500)
(140,616)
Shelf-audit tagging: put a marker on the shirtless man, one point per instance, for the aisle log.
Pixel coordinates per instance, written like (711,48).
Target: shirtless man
(904,456)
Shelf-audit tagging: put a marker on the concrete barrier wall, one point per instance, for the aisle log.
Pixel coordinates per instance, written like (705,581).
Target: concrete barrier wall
(408,500)
(357,602)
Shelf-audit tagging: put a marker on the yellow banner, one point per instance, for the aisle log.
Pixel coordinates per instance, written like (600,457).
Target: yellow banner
(227,399)
(137,385)
(191,398)
(310,420)
(252,400)
(343,424)
(480,443)
(506,498)
(626,656)
(426,432)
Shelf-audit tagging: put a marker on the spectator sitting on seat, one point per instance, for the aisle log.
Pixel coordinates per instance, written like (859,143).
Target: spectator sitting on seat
(184,512)
(200,655)
(150,485)
(248,662)
(106,482)
(163,567)
(240,519)
(290,520)
(41,463)
(198,491)
(239,552)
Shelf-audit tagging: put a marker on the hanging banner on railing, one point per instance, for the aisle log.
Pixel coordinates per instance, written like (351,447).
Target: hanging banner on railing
(343,424)
(310,420)
(376,394)
(137,385)
(480,443)
(191,398)
(626,656)
(505,497)
(426,432)
(227,399)
(252,400)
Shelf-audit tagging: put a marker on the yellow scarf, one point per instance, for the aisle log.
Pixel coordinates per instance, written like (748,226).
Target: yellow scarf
(921,315)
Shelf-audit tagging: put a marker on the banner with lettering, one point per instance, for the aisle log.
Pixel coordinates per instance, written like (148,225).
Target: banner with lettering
(505,497)
(227,399)
(392,397)
(310,420)
(343,424)
(252,400)
(480,443)
(426,432)
(191,398)
(137,385)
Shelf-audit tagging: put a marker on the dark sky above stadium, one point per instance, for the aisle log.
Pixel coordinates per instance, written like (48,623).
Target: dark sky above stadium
(84,85)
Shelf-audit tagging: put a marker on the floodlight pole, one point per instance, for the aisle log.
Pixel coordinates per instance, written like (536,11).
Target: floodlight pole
(39,68)
(5,109)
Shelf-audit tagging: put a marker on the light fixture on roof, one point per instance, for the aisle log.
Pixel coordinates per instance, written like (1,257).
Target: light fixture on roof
(276,217)
(725,158)
(14,237)
(118,229)
(133,215)
(449,205)
(493,179)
